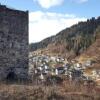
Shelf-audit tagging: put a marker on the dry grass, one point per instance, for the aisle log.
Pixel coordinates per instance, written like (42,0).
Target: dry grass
(66,91)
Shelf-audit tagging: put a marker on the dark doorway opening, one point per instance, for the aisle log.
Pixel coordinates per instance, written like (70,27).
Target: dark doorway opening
(11,76)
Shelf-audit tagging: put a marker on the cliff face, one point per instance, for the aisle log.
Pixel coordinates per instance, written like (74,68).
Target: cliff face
(13,42)
(70,42)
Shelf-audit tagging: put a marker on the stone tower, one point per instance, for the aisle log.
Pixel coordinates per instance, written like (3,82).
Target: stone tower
(13,42)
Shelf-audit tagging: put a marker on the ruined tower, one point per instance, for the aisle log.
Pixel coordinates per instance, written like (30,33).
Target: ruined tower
(13,42)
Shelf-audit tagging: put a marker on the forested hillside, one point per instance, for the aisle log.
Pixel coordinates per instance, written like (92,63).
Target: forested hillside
(93,52)
(72,41)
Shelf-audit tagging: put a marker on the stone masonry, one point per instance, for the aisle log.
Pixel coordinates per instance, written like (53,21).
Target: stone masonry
(13,42)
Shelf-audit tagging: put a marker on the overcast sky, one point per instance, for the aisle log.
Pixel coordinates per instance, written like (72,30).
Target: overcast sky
(48,17)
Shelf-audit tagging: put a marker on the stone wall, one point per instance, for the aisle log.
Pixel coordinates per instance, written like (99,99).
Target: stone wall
(13,42)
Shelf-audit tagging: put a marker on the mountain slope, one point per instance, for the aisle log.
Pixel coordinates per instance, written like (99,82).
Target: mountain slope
(70,42)
(93,52)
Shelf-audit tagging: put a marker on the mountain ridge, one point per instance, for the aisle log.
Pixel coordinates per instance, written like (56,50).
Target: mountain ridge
(70,42)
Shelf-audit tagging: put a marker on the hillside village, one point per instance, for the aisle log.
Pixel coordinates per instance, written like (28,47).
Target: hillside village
(45,65)
(60,55)
(49,69)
